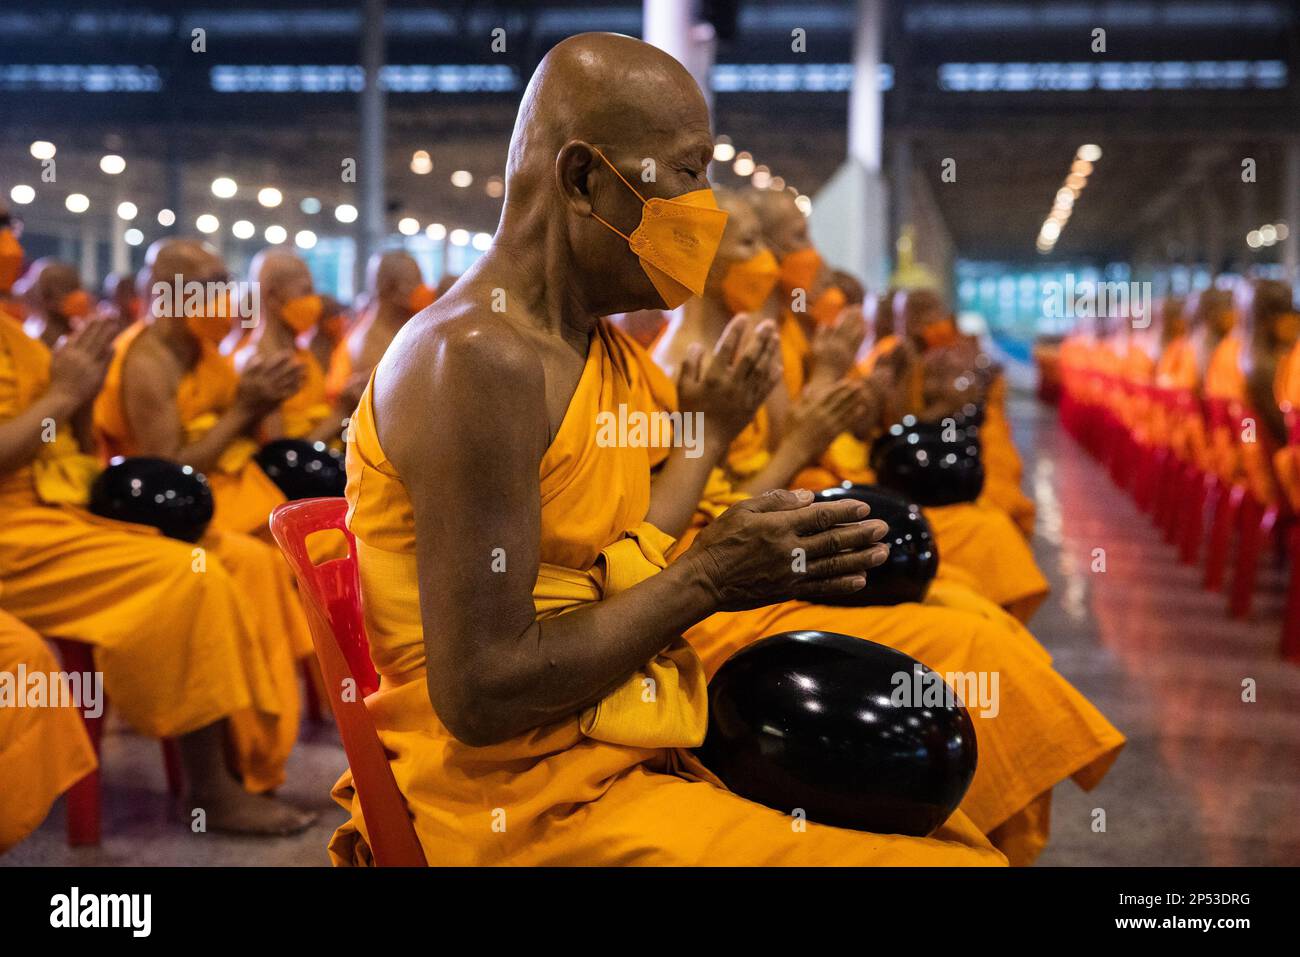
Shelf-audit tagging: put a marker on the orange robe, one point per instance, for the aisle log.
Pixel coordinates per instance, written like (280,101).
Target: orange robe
(174,629)
(616,784)
(1286,463)
(1235,460)
(243,493)
(306,409)
(244,497)
(1045,733)
(43,750)
(975,538)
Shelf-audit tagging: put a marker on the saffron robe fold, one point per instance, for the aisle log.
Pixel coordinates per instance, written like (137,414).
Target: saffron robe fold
(604,787)
(43,750)
(1044,732)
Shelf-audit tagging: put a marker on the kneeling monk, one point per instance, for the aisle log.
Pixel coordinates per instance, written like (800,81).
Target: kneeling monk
(537,700)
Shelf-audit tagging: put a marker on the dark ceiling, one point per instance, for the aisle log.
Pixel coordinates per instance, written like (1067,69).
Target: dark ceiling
(1165,150)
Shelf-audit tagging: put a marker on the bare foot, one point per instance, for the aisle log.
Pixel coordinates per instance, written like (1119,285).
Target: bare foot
(238,812)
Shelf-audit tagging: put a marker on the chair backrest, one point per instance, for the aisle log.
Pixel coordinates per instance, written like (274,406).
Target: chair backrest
(331,596)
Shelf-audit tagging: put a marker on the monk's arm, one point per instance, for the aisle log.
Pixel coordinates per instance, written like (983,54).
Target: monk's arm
(678,485)
(22,436)
(494,670)
(149,398)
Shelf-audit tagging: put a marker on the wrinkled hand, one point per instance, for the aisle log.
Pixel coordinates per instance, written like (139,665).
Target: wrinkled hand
(269,380)
(729,385)
(80,362)
(820,415)
(782,545)
(835,347)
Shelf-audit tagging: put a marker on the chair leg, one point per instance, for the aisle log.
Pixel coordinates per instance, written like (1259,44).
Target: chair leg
(1227,506)
(83,801)
(311,690)
(172,766)
(1257,521)
(1291,617)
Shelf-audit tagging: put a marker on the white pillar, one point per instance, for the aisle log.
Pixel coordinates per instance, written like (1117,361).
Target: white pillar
(670,25)
(850,215)
(88,257)
(866,102)
(370,165)
(121,256)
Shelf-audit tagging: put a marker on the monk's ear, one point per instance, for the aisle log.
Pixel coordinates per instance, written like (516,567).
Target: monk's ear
(574,165)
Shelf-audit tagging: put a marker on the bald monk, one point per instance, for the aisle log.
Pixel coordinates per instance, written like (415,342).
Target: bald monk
(43,750)
(179,654)
(953,631)
(169,394)
(975,539)
(289,309)
(55,300)
(511,701)
(396,292)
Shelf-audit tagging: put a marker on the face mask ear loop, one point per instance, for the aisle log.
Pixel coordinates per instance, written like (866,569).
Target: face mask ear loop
(595,215)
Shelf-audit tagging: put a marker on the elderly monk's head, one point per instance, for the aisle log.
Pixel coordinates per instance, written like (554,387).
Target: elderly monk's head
(744,271)
(285,289)
(601,107)
(785,227)
(187,286)
(53,291)
(922,316)
(396,286)
(120,293)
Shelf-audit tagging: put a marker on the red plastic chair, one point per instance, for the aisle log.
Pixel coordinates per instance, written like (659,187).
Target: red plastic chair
(85,798)
(331,596)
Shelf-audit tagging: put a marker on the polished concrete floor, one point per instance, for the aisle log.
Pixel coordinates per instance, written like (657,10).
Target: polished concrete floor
(1206,778)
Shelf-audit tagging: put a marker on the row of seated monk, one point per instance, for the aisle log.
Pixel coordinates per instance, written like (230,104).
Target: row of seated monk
(545,709)
(1235,342)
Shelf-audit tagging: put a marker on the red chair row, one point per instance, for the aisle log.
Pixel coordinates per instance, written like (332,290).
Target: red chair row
(1180,457)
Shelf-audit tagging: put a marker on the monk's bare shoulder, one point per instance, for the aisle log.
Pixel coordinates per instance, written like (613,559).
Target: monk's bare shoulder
(148,363)
(459,365)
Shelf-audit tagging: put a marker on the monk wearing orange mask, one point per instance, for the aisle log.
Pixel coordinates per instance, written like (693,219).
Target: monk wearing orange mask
(952,630)
(55,300)
(511,687)
(290,310)
(397,292)
(977,538)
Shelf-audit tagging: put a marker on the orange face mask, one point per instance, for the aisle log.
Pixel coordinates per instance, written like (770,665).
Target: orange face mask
(75,304)
(938,334)
(676,240)
(827,307)
(748,283)
(799,269)
(13,308)
(302,312)
(421,298)
(11,259)
(212,324)
(1287,328)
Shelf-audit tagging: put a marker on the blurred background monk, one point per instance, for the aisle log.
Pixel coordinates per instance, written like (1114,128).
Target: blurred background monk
(396,292)
(289,310)
(514,640)
(178,650)
(55,301)
(169,394)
